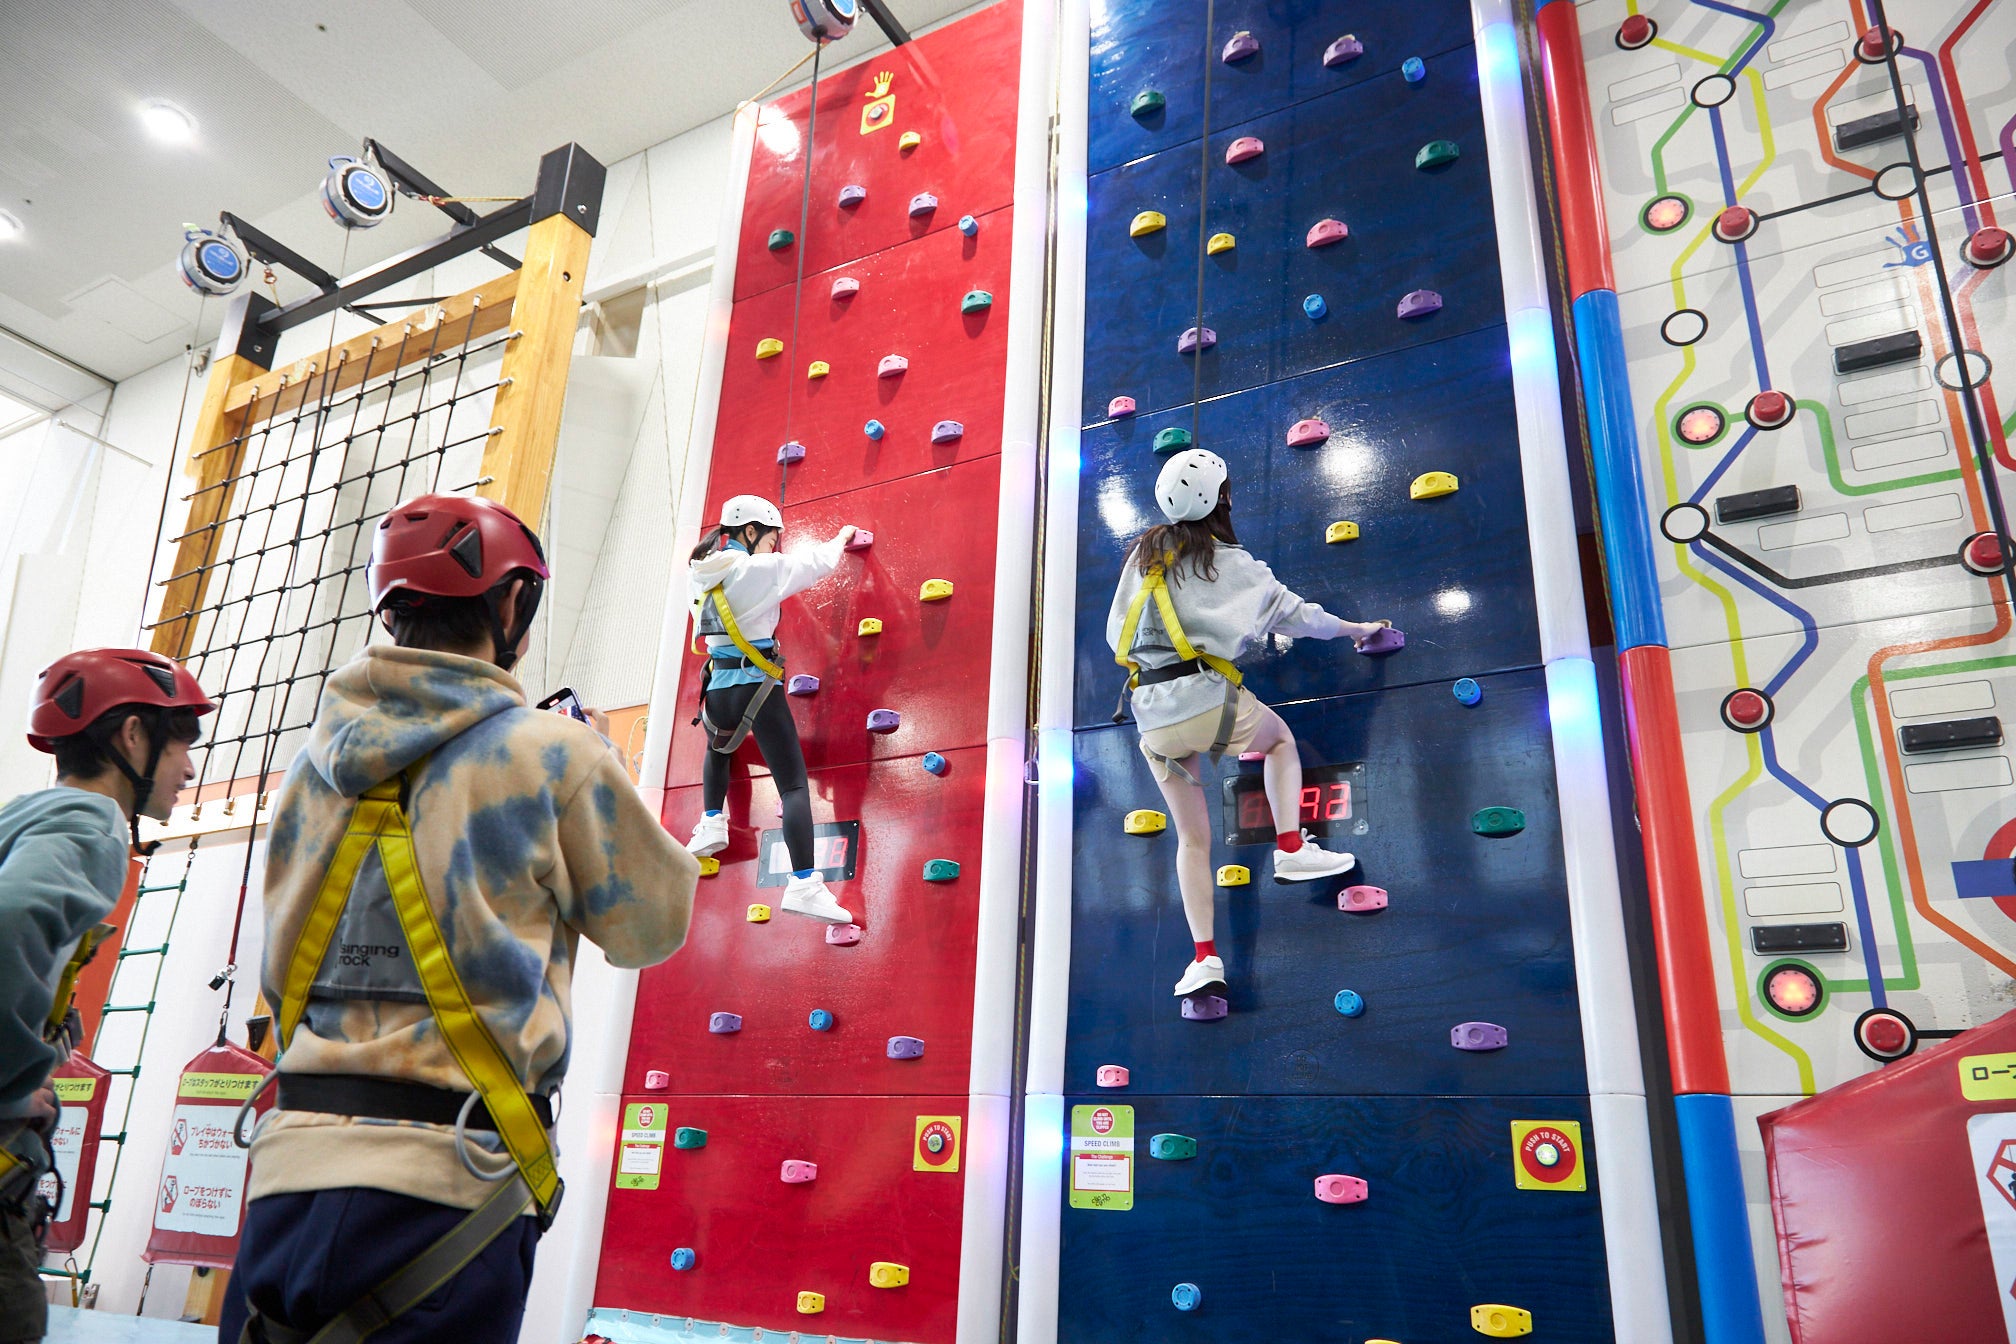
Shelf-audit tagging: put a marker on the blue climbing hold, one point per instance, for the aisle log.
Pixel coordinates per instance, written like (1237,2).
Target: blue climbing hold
(968,225)
(1350,1002)
(683,1258)
(1186,1296)
(1467,691)
(1315,307)
(936,764)
(1412,70)
(820,1020)
(874,429)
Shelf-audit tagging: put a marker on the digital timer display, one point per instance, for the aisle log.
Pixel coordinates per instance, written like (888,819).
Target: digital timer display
(1332,803)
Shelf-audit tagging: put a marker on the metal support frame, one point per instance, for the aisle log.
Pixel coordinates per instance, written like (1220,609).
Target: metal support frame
(414,182)
(878,10)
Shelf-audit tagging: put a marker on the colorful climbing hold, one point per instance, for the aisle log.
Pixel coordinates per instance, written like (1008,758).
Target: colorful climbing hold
(1119,408)
(1436,153)
(819,1019)
(1111,1075)
(1419,303)
(1361,899)
(884,720)
(811,1304)
(1172,1147)
(888,1274)
(1308,433)
(935,764)
(935,590)
(905,1047)
(923,203)
(724,1024)
(968,225)
(1335,1189)
(945,431)
(1244,148)
(1186,1296)
(1172,440)
(1479,1036)
(1204,1007)
(769,347)
(793,451)
(1242,45)
(797,1172)
(1735,223)
(976,300)
(1194,339)
(870,625)
(1345,48)
(1412,70)
(908,141)
(1349,1002)
(1234,875)
(940,870)
(1325,232)
(819,368)
(1342,530)
(804,683)
(683,1258)
(891,365)
(1145,821)
(843,935)
(781,239)
(1432,485)
(1147,222)
(1145,102)
(845,287)
(861,540)
(1467,691)
(1500,1321)
(1497,821)
(1220,242)
(709,865)
(1314,308)
(874,429)
(852,194)
(1383,641)
(656,1080)
(759,913)
(688,1137)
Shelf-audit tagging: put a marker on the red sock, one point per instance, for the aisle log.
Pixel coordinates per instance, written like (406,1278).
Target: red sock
(1207,948)
(1288,841)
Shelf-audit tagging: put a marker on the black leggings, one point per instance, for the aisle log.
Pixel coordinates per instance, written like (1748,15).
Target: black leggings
(776,737)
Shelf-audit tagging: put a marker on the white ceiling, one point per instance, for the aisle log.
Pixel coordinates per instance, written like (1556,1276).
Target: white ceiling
(470,92)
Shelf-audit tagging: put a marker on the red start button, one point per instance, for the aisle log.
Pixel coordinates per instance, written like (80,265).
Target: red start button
(1735,224)
(1746,709)
(1875,42)
(1770,407)
(1635,31)
(1984,553)
(1886,1035)
(1990,246)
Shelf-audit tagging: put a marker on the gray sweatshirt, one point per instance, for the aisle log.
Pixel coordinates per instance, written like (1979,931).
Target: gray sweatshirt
(1224,616)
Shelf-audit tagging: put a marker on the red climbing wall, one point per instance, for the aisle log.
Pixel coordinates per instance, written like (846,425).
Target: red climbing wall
(778,1090)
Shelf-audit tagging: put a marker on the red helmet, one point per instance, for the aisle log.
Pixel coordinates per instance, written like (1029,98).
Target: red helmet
(450,546)
(77,688)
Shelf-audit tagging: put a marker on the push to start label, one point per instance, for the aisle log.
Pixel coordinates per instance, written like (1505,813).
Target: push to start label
(1547,1155)
(1102,1157)
(937,1143)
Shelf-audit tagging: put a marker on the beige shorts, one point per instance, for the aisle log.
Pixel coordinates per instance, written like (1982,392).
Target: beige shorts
(1176,741)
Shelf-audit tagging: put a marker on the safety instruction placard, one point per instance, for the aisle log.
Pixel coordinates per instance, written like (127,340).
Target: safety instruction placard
(1991,1139)
(67,1140)
(1102,1157)
(203,1177)
(640,1156)
(1988,1077)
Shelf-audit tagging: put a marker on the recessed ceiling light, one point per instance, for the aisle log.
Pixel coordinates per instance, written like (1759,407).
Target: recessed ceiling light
(167,123)
(10,227)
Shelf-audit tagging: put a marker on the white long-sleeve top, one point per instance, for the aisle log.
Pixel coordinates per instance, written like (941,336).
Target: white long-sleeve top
(1224,616)
(756,585)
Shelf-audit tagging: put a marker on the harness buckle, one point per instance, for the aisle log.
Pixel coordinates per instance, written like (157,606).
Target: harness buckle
(551,1210)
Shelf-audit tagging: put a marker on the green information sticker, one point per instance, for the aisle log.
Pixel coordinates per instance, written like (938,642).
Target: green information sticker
(1102,1157)
(641,1154)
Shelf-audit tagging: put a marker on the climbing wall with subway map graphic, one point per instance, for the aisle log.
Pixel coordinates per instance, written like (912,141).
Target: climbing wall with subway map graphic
(1817,324)
(1341,1155)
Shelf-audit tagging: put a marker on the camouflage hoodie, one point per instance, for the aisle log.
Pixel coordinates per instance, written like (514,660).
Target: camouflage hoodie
(529,836)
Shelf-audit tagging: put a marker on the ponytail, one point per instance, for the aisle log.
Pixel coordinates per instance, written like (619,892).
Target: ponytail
(712,540)
(1188,547)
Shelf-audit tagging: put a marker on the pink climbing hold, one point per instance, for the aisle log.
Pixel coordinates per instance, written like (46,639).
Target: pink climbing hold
(1327,231)
(1119,407)
(797,1173)
(891,365)
(1307,433)
(1244,148)
(1361,900)
(861,540)
(845,287)
(1112,1075)
(656,1080)
(843,935)
(1336,1189)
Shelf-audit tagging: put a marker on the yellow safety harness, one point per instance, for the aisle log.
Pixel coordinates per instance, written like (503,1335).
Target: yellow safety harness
(726,741)
(1190,661)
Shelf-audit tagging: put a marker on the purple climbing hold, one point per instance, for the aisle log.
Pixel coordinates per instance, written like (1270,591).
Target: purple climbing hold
(1308,433)
(1194,339)
(884,720)
(1384,640)
(1120,406)
(1242,45)
(1204,1007)
(1477,1036)
(852,194)
(793,451)
(947,430)
(803,684)
(923,203)
(1244,148)
(905,1047)
(721,1024)
(1420,303)
(1345,48)
(1325,232)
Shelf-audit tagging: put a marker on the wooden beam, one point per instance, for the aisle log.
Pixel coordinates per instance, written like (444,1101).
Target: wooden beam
(216,451)
(519,461)
(290,386)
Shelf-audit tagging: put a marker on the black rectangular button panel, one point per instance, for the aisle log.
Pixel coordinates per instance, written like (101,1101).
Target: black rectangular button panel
(1898,348)
(1874,130)
(1951,735)
(1773,938)
(1757,504)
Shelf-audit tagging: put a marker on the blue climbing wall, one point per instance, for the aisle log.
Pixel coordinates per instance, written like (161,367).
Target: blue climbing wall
(1286,1088)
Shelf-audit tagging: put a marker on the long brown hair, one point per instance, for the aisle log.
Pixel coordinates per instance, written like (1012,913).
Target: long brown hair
(711,539)
(1188,547)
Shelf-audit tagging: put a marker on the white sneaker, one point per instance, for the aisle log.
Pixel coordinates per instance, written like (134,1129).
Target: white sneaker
(1310,862)
(1201,975)
(811,896)
(710,836)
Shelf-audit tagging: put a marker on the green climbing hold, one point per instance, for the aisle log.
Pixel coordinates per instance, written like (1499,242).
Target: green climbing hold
(1172,1147)
(1172,440)
(1498,821)
(781,239)
(940,870)
(975,300)
(688,1137)
(1436,153)
(1146,101)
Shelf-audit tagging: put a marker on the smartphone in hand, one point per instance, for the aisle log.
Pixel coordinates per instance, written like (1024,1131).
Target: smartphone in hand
(564,701)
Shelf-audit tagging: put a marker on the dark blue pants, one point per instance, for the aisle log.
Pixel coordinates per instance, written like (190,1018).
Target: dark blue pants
(304,1258)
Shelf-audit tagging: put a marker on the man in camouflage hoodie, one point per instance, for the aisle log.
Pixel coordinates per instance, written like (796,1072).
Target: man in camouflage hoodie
(528,835)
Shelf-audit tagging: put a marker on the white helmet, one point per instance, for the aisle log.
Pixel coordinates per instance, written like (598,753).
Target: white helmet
(741,510)
(1188,487)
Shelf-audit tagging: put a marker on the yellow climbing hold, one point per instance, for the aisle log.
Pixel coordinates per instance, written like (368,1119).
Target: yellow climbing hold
(1148,221)
(1341,531)
(769,347)
(759,913)
(709,866)
(1430,484)
(888,1274)
(1220,242)
(1145,821)
(811,1304)
(1501,1322)
(936,590)
(1233,875)
(909,141)
(820,368)
(869,626)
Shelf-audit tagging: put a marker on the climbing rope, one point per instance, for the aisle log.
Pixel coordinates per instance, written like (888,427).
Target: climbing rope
(1203,201)
(798,280)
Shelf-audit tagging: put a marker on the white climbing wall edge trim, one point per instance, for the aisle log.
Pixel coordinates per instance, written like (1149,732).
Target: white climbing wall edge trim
(1042,1195)
(1630,1207)
(697,459)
